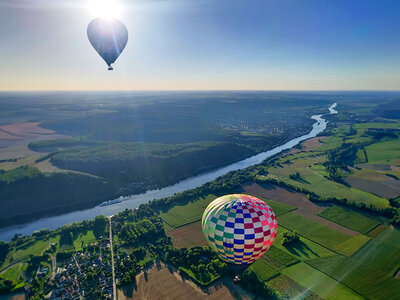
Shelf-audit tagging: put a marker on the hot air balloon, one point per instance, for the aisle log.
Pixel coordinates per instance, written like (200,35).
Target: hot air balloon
(239,228)
(108,37)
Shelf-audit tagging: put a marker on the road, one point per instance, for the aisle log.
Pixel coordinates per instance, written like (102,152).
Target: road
(112,260)
(76,277)
(53,266)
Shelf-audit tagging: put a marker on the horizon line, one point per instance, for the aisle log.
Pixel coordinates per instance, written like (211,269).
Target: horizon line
(200,90)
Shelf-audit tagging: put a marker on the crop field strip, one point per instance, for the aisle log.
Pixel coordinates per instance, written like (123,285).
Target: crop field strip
(323,235)
(291,288)
(264,270)
(382,252)
(349,218)
(376,231)
(278,258)
(367,281)
(321,284)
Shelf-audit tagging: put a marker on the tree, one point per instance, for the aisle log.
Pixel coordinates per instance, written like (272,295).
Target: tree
(290,238)
(100,226)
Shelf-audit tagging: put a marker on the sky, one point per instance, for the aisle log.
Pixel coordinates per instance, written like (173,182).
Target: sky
(205,45)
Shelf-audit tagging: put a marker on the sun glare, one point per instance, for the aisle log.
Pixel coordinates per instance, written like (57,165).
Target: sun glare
(107,9)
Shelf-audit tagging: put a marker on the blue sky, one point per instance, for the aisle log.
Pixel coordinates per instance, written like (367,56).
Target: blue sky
(205,44)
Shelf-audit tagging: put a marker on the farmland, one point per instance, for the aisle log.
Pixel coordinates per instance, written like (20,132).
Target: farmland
(382,253)
(367,281)
(168,283)
(191,212)
(322,234)
(263,270)
(290,288)
(189,235)
(313,179)
(319,283)
(279,259)
(349,218)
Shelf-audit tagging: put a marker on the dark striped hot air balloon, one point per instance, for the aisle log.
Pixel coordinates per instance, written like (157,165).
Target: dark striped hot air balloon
(108,37)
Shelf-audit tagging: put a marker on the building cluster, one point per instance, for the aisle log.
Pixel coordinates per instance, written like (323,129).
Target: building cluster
(87,274)
(271,125)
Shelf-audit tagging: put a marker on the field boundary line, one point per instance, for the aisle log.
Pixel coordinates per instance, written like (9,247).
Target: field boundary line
(373,229)
(184,224)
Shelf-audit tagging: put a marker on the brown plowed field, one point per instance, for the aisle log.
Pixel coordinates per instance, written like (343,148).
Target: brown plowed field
(304,207)
(188,236)
(388,188)
(161,282)
(308,145)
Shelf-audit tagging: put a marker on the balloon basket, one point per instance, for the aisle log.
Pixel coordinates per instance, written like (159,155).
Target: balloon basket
(235,272)
(110,68)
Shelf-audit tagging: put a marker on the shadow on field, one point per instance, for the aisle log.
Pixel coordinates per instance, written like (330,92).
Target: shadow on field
(299,248)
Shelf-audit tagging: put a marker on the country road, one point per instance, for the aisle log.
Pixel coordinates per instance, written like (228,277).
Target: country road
(112,261)
(53,266)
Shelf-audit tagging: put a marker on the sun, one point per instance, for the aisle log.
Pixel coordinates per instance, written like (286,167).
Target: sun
(107,9)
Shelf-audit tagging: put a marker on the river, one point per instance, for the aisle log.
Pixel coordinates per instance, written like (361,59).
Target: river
(134,201)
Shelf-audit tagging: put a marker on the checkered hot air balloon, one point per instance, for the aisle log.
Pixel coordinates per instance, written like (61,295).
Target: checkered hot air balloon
(239,228)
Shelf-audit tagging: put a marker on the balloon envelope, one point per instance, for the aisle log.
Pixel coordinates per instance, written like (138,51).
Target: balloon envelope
(108,38)
(239,228)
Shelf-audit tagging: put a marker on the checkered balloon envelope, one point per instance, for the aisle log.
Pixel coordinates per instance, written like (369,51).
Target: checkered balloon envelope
(239,228)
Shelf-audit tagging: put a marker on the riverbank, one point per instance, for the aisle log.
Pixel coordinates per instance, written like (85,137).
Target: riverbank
(131,202)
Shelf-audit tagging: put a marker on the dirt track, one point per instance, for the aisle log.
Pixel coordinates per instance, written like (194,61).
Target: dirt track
(165,282)
(304,207)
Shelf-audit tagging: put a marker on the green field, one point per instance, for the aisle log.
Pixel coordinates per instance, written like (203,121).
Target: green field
(350,246)
(279,259)
(312,179)
(315,231)
(86,238)
(18,174)
(349,218)
(329,143)
(303,250)
(376,231)
(394,125)
(290,289)
(279,208)
(184,214)
(14,272)
(263,270)
(369,282)
(319,283)
(386,152)
(382,253)
(22,252)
